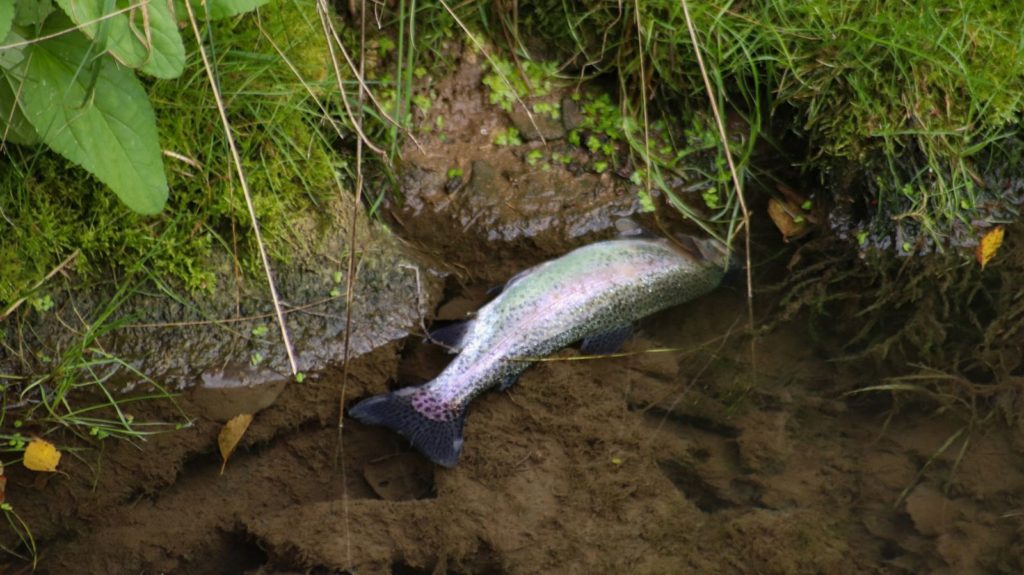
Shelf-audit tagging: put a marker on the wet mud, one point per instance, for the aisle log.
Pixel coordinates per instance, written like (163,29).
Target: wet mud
(694,452)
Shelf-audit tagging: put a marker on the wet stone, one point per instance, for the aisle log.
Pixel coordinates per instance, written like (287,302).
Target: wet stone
(507,208)
(236,388)
(228,340)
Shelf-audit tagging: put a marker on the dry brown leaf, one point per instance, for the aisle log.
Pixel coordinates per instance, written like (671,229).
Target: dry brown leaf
(989,245)
(791,195)
(230,435)
(788,219)
(41,455)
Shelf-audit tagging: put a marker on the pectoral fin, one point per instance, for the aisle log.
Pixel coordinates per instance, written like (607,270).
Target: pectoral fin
(607,342)
(451,336)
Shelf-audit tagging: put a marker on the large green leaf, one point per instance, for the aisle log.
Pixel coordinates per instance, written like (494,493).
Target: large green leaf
(145,37)
(6,17)
(98,118)
(217,8)
(31,13)
(14,126)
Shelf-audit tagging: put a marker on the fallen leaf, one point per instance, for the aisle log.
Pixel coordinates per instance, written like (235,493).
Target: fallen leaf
(230,435)
(788,218)
(41,455)
(989,245)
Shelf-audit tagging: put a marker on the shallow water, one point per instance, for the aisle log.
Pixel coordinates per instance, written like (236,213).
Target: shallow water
(686,461)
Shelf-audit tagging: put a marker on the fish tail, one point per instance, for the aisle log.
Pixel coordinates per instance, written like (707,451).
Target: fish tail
(411,411)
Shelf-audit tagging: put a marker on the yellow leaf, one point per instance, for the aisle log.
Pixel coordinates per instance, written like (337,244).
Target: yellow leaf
(230,435)
(989,245)
(41,455)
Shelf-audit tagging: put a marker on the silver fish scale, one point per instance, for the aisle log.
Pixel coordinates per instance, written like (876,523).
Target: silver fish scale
(589,291)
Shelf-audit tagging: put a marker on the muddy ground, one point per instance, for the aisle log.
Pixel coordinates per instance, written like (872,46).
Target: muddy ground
(712,457)
(676,462)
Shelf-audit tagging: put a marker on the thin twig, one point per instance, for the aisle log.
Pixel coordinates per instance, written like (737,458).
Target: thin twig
(331,37)
(236,157)
(732,172)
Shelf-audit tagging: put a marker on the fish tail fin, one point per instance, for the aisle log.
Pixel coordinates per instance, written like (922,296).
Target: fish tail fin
(410,412)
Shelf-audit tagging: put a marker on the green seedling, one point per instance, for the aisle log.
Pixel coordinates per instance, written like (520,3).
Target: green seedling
(507,137)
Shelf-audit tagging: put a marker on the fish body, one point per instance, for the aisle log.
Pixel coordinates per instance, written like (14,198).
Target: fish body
(596,289)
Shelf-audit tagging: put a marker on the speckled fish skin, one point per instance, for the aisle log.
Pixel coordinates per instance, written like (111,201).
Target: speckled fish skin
(589,291)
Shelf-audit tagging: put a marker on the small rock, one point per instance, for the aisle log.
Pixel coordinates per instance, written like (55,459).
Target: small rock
(548,127)
(572,117)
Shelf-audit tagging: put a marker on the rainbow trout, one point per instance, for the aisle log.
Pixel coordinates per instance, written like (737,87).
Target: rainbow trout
(592,294)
